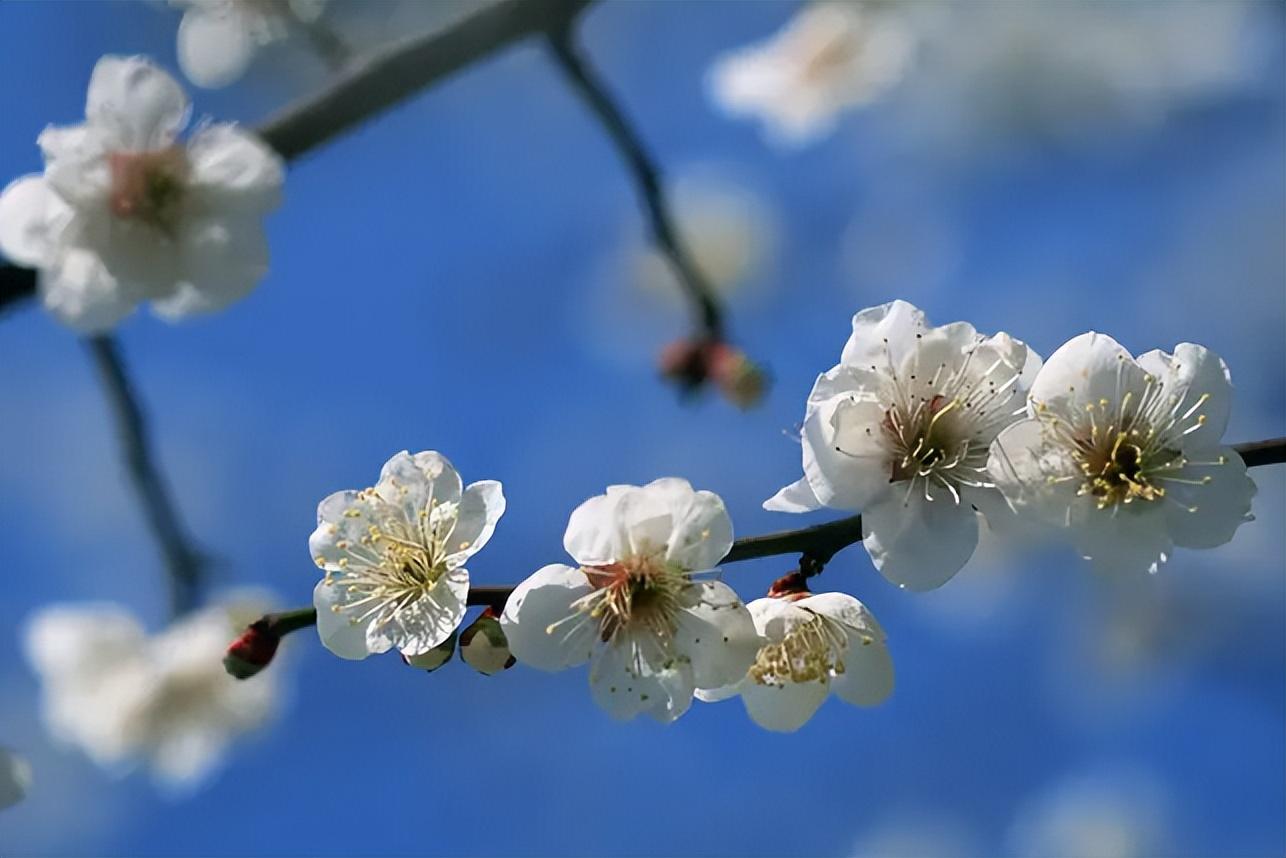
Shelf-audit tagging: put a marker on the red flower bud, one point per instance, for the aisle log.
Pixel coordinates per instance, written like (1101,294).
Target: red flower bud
(252,651)
(693,363)
(792,586)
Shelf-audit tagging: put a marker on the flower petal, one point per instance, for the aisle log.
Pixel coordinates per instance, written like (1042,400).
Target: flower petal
(595,535)
(1034,472)
(716,633)
(919,544)
(1122,539)
(416,483)
(784,708)
(1085,370)
(796,497)
(76,164)
(480,509)
(338,633)
(215,45)
(1207,516)
(80,291)
(31,218)
(222,261)
(624,683)
(846,457)
(139,106)
(883,336)
(1197,382)
(233,171)
(867,679)
(534,615)
(701,533)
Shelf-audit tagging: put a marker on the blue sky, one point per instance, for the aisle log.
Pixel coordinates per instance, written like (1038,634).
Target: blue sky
(449,277)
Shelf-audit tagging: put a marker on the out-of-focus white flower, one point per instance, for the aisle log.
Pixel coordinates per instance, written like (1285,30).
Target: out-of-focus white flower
(653,634)
(1103,815)
(829,58)
(900,431)
(126,213)
(123,696)
(219,38)
(394,556)
(15,778)
(1126,454)
(810,647)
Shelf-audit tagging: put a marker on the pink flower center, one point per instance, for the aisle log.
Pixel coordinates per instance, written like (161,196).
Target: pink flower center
(148,186)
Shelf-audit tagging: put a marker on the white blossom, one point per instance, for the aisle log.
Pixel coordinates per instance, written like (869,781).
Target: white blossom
(394,556)
(830,57)
(125,212)
(124,697)
(633,608)
(1126,454)
(15,778)
(810,647)
(900,431)
(219,38)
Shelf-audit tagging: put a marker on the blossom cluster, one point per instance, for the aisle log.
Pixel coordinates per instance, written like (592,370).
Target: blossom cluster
(922,429)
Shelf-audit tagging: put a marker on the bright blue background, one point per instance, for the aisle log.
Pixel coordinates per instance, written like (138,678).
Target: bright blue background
(444,278)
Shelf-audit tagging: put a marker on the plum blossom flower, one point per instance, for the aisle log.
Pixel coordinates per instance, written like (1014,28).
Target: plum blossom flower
(219,38)
(900,430)
(123,696)
(394,556)
(15,778)
(633,608)
(829,58)
(1126,454)
(126,213)
(811,646)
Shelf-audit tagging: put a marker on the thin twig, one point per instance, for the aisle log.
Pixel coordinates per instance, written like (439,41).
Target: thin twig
(183,562)
(816,545)
(17,284)
(585,81)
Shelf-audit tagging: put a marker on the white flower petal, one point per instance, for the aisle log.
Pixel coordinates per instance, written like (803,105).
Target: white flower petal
(215,45)
(701,532)
(481,506)
(416,482)
(784,708)
(595,535)
(76,640)
(343,518)
(1034,473)
(624,684)
(716,695)
(1221,506)
(1087,369)
(31,218)
(222,260)
(919,544)
(1194,372)
(1123,539)
(867,679)
(76,163)
(796,497)
(233,171)
(846,456)
(534,615)
(340,634)
(426,622)
(138,106)
(883,336)
(82,293)
(716,633)
(15,778)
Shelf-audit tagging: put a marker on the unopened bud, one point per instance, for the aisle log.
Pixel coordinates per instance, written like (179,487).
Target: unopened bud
(252,651)
(483,645)
(434,658)
(693,363)
(792,587)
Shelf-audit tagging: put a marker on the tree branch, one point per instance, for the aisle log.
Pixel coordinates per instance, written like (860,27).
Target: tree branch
(16,284)
(816,545)
(585,81)
(373,83)
(183,562)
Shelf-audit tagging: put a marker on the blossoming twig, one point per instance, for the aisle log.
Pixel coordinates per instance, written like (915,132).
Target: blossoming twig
(816,545)
(183,562)
(585,81)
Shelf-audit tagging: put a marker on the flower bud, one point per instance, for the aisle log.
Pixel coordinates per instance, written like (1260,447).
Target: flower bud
(252,651)
(693,363)
(792,587)
(483,645)
(434,658)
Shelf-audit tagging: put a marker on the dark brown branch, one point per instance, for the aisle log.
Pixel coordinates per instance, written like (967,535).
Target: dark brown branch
(17,284)
(816,544)
(371,84)
(182,561)
(585,81)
